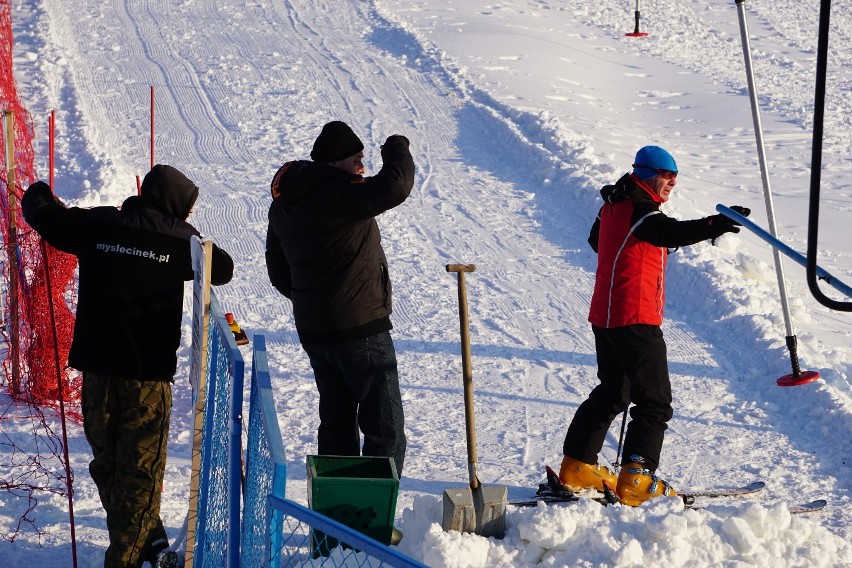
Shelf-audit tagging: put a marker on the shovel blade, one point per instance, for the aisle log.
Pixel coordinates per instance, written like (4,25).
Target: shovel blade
(481,511)
(458,510)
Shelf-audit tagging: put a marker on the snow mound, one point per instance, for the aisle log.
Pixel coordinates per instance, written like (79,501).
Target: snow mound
(659,533)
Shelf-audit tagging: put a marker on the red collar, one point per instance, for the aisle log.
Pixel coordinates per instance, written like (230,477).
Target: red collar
(647,188)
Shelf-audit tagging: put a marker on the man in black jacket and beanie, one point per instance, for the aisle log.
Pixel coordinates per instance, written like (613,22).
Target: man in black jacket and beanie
(133,262)
(324,253)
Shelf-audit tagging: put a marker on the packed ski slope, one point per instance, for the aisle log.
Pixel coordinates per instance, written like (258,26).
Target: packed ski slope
(517,111)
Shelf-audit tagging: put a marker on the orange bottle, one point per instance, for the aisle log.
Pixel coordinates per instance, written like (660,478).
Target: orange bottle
(239,335)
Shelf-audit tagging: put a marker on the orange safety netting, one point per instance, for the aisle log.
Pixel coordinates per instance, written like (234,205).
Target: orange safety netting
(40,286)
(37,295)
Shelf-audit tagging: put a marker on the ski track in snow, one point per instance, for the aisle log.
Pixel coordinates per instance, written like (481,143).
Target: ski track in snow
(523,224)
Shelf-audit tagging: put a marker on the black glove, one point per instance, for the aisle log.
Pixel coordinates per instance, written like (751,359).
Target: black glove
(39,186)
(396,138)
(744,211)
(721,224)
(40,191)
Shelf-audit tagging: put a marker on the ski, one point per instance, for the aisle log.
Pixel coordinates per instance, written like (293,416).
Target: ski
(546,500)
(553,492)
(726,492)
(563,497)
(812,507)
(799,509)
(688,497)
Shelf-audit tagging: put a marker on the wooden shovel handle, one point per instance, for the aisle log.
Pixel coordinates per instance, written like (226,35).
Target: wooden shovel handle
(467,371)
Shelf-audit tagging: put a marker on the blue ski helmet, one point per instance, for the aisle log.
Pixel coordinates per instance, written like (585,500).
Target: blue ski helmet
(649,159)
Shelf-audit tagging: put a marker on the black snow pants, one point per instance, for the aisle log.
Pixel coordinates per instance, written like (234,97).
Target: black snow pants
(632,368)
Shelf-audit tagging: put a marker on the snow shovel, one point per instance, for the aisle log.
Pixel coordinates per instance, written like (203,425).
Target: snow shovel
(474,509)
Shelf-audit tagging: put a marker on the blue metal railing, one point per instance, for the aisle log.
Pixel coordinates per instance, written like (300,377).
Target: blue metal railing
(266,467)
(218,523)
(299,547)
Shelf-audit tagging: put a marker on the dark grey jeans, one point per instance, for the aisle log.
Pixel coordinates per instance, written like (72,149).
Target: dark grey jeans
(358,385)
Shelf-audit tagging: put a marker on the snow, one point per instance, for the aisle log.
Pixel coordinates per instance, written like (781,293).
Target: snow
(517,111)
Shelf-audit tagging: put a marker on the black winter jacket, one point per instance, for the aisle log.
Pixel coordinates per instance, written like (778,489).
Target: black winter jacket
(133,262)
(323,247)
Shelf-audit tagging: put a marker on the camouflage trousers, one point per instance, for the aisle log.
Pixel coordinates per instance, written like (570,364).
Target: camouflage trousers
(126,422)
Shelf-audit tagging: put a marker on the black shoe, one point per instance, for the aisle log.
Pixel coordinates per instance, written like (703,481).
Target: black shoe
(165,559)
(396,536)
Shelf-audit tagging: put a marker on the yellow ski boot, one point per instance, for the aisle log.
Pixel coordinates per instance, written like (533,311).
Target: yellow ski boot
(636,484)
(580,476)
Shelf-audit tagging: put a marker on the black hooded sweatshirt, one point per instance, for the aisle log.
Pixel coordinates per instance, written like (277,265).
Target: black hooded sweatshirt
(133,262)
(323,247)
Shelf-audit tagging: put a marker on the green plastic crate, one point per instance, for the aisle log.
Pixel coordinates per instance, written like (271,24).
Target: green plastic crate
(359,492)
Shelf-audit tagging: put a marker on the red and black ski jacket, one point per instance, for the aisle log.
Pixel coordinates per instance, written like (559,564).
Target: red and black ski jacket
(133,262)
(632,237)
(323,246)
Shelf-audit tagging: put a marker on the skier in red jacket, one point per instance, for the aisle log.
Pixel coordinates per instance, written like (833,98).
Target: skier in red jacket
(632,238)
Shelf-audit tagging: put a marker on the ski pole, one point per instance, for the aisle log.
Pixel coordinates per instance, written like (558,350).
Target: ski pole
(617,462)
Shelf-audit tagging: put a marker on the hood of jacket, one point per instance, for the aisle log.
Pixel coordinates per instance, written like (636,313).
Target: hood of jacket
(169,191)
(620,191)
(295,180)
(627,187)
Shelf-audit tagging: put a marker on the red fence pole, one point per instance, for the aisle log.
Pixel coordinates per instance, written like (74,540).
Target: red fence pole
(51,126)
(152,126)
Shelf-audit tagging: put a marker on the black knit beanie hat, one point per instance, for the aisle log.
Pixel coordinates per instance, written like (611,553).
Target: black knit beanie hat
(335,142)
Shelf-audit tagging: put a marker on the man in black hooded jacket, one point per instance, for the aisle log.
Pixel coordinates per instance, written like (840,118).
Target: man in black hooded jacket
(324,252)
(133,262)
